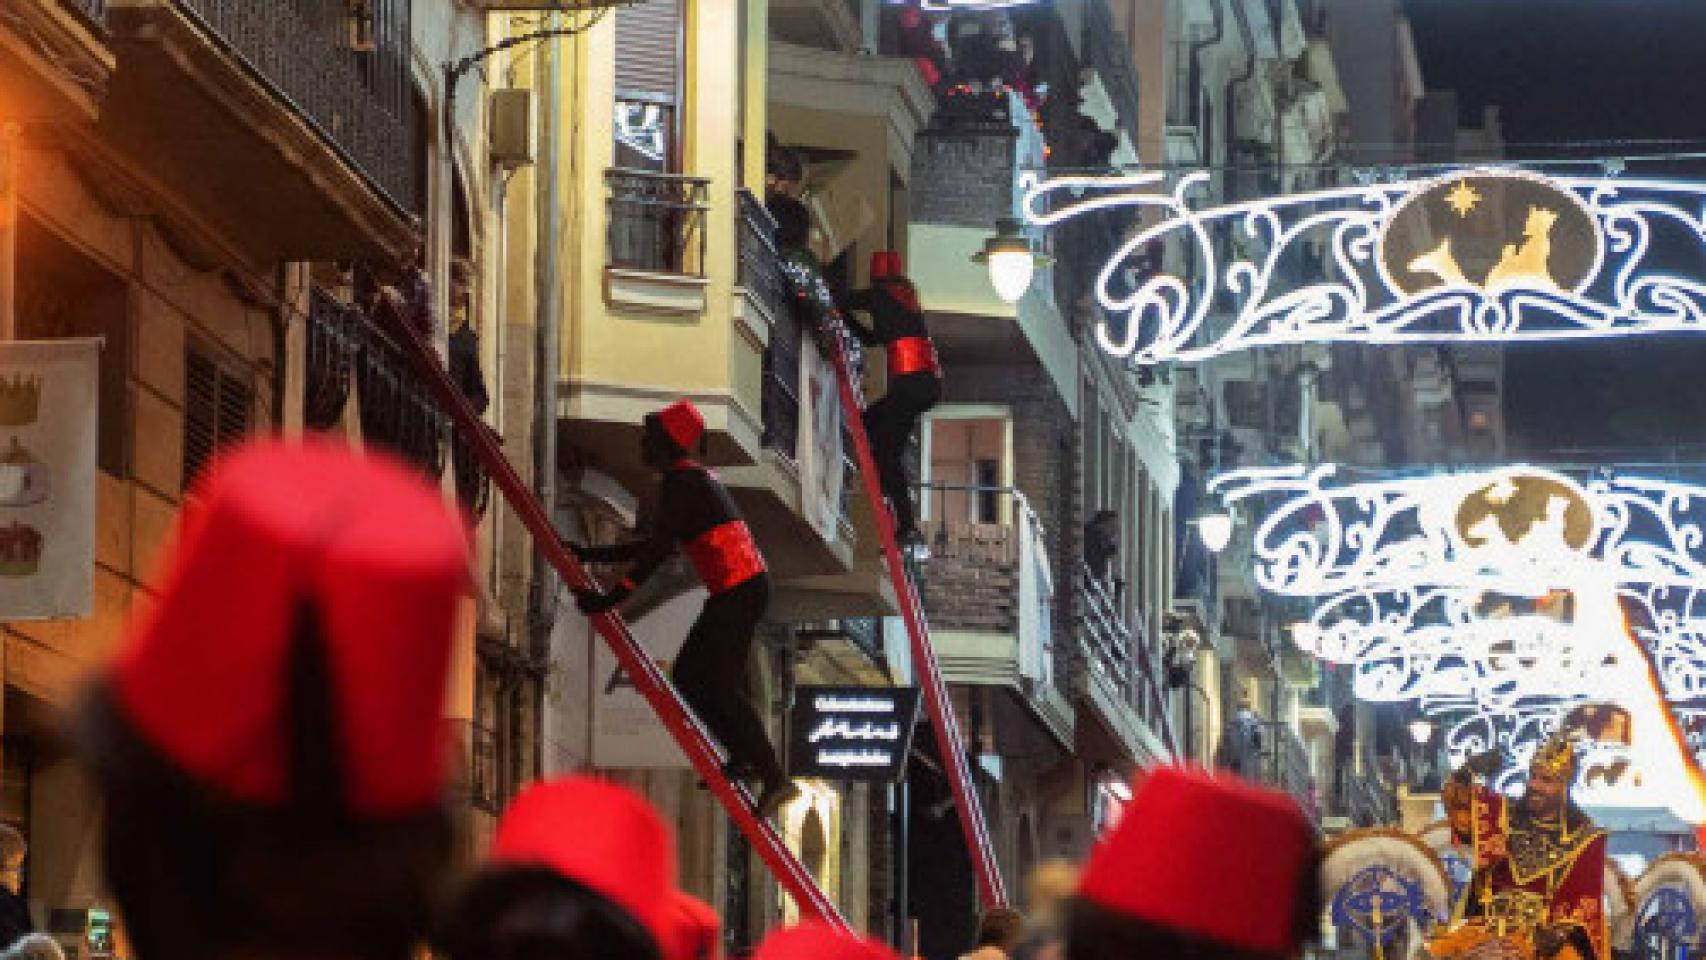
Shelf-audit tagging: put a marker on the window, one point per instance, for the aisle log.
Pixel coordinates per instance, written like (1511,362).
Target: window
(648,85)
(218,406)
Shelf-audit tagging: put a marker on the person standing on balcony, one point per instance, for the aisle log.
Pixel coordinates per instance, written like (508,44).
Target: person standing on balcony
(695,513)
(1102,550)
(915,380)
(464,339)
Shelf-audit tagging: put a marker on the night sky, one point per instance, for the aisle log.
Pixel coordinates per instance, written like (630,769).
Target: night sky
(1566,71)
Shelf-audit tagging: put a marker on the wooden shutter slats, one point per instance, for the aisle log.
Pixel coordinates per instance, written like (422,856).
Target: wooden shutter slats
(648,50)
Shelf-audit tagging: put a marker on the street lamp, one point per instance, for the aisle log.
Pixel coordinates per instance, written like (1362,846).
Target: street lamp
(1011,260)
(1215,530)
(1421,731)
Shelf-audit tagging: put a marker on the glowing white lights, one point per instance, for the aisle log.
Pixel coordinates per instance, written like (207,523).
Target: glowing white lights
(1502,600)
(1479,255)
(1215,530)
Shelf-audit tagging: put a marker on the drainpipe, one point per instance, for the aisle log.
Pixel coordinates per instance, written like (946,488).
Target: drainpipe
(1196,65)
(548,306)
(1231,114)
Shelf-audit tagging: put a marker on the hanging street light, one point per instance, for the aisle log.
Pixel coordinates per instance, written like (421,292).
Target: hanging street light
(1421,731)
(1215,529)
(1011,259)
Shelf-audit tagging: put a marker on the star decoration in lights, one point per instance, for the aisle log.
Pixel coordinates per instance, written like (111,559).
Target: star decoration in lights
(1463,198)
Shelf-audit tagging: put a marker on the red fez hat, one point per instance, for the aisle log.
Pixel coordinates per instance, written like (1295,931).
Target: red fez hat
(697,929)
(600,835)
(817,941)
(885,264)
(1207,856)
(374,557)
(683,423)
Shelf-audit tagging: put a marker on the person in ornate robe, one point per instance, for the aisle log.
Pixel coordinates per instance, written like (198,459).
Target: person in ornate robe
(1538,885)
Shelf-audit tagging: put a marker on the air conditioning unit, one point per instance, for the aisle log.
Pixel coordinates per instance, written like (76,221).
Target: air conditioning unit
(511,128)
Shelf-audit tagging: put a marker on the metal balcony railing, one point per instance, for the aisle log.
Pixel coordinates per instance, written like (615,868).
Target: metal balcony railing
(95,11)
(1109,54)
(1364,800)
(360,102)
(766,285)
(398,413)
(1117,649)
(657,221)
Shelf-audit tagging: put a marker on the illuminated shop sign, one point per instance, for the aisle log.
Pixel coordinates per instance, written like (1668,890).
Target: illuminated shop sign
(851,733)
(1479,255)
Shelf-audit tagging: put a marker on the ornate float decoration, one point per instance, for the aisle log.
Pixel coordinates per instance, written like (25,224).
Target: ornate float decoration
(1382,885)
(1478,255)
(1505,602)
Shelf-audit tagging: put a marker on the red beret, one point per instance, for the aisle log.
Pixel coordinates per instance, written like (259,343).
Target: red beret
(697,929)
(275,531)
(602,836)
(683,422)
(817,941)
(1207,856)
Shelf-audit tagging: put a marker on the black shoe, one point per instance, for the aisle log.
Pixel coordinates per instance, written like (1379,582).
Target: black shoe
(775,794)
(741,770)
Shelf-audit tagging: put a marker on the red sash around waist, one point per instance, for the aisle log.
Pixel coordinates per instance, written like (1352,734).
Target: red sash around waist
(725,556)
(913,355)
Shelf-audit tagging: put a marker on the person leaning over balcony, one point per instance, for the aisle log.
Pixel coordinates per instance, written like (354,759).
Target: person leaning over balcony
(695,513)
(915,379)
(269,740)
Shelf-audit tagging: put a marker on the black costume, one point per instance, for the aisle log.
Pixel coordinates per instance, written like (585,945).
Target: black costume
(915,385)
(696,514)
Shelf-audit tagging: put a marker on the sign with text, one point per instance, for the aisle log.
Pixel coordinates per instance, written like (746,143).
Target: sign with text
(48,445)
(851,733)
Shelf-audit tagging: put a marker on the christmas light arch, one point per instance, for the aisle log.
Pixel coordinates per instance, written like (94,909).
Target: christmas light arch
(1477,255)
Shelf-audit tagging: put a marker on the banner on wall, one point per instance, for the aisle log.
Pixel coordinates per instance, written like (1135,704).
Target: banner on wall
(626,732)
(49,402)
(823,464)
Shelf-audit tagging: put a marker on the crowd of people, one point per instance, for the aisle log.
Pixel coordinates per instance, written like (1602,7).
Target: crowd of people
(268,747)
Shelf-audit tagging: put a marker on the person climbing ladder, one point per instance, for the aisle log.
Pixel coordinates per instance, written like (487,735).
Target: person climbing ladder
(915,379)
(695,513)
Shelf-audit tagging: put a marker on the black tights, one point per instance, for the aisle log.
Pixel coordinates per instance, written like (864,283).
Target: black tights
(890,423)
(710,673)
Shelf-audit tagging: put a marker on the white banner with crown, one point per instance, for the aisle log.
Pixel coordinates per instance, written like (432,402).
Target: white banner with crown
(49,392)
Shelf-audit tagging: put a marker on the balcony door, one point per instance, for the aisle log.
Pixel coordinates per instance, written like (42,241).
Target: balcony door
(967,495)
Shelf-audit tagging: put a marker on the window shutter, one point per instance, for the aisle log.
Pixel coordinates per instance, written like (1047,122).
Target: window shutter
(201,412)
(217,409)
(648,50)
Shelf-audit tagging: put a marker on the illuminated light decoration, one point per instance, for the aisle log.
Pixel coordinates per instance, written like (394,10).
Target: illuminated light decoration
(642,127)
(1216,531)
(1479,255)
(951,6)
(1502,601)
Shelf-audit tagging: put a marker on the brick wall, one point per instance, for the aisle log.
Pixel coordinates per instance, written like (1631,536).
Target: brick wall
(963,176)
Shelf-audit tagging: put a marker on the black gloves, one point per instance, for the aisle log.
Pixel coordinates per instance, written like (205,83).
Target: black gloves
(594,602)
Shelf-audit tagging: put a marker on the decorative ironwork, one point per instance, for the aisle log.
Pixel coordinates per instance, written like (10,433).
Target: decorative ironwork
(1480,255)
(335,333)
(766,285)
(361,103)
(95,11)
(657,221)
(398,413)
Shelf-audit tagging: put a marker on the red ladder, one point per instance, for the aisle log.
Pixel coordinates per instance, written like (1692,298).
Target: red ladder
(695,742)
(943,720)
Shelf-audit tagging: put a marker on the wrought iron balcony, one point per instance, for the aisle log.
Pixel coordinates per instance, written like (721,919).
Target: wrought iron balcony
(767,288)
(657,221)
(1269,752)
(95,11)
(360,102)
(398,413)
(1109,54)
